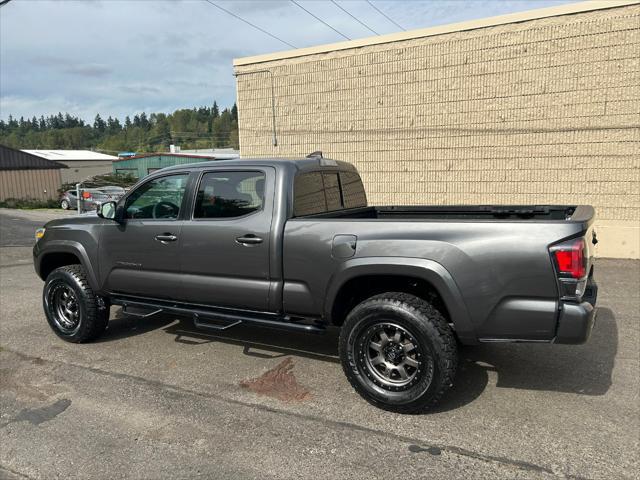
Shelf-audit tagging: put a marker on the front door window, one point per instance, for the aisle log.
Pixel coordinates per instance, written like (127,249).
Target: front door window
(160,198)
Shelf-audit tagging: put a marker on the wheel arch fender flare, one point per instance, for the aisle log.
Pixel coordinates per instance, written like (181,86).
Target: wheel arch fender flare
(54,247)
(428,270)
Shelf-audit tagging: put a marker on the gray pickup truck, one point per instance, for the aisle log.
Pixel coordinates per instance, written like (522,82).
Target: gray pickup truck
(293,245)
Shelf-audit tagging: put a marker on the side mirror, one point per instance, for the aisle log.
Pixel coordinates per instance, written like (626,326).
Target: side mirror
(107,210)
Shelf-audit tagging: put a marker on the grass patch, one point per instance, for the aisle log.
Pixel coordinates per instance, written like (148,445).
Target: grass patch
(28,203)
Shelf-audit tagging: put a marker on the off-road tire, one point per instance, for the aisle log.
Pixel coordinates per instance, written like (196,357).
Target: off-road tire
(433,336)
(92,319)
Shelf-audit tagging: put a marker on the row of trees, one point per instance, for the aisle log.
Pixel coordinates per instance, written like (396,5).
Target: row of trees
(203,127)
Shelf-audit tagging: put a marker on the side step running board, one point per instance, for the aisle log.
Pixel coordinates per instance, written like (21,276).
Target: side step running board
(205,317)
(212,326)
(126,310)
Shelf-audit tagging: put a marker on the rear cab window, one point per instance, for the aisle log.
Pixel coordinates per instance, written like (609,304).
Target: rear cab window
(327,191)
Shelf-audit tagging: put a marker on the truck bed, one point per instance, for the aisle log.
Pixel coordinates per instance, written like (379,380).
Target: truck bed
(498,257)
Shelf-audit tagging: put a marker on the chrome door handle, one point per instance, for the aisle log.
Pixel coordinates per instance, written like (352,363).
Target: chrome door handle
(249,240)
(166,238)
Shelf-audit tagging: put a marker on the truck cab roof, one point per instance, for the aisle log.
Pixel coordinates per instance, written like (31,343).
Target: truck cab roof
(301,164)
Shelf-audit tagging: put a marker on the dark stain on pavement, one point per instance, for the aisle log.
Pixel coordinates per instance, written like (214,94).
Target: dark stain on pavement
(279,382)
(36,416)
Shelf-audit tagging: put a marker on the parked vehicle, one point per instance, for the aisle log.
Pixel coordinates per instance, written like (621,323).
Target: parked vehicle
(293,245)
(69,200)
(91,197)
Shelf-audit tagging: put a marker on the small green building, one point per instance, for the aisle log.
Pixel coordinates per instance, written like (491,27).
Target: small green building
(142,165)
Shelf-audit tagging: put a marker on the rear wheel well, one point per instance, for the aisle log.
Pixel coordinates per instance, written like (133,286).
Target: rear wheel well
(358,289)
(57,260)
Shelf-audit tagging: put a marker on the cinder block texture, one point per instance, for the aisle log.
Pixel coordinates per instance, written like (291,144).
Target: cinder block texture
(542,111)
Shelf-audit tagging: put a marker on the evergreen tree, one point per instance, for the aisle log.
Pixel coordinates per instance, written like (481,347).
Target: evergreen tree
(190,128)
(99,124)
(113,126)
(144,122)
(69,121)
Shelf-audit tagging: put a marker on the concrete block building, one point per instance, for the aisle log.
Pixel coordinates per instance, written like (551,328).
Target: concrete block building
(540,107)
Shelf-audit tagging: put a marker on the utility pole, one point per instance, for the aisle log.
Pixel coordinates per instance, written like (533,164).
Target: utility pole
(79,198)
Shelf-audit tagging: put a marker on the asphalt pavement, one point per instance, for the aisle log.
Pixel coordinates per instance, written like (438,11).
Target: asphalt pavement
(18,227)
(155,398)
(17,232)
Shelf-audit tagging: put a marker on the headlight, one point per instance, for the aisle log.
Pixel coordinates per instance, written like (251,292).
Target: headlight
(39,233)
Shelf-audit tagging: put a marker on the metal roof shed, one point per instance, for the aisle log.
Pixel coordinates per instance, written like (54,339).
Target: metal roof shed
(26,176)
(82,163)
(142,165)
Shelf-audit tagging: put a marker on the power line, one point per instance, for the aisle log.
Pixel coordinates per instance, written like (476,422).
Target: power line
(354,17)
(320,20)
(385,16)
(4,2)
(249,23)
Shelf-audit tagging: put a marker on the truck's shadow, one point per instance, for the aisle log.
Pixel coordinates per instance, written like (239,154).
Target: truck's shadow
(263,342)
(578,369)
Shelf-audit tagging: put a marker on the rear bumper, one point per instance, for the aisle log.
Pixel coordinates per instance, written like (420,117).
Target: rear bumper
(90,205)
(577,319)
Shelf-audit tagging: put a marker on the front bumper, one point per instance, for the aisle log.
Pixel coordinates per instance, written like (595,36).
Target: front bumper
(36,258)
(577,319)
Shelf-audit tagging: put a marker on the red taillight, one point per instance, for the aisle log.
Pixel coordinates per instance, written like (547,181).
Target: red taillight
(570,258)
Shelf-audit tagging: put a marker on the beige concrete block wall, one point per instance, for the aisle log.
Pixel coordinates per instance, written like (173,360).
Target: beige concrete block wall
(541,111)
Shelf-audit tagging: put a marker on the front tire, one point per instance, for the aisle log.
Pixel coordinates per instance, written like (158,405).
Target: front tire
(72,309)
(398,352)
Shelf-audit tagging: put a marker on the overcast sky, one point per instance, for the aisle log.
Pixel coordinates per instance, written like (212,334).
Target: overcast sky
(122,57)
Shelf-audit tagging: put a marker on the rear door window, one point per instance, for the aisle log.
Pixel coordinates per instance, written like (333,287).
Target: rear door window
(228,194)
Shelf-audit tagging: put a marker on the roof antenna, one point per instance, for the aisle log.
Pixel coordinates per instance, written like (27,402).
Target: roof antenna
(317,153)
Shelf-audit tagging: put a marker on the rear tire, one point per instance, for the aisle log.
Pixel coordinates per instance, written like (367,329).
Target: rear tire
(64,205)
(398,352)
(71,307)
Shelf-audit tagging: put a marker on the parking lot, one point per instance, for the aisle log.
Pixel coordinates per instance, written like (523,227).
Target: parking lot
(155,398)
